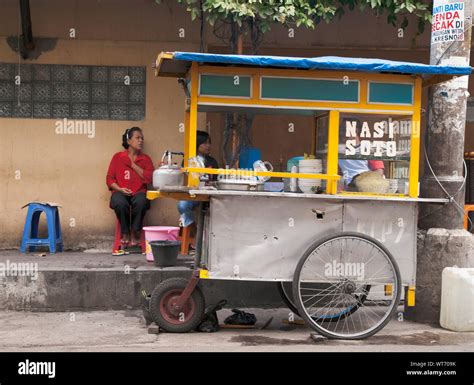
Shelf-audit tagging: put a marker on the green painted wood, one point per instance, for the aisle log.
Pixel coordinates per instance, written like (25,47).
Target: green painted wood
(225,85)
(310,89)
(391,93)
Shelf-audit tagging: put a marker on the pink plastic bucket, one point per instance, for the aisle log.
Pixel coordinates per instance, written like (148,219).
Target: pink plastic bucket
(159,233)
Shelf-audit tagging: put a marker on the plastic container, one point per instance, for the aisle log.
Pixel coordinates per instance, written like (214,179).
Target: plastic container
(293,162)
(294,181)
(165,253)
(273,186)
(316,163)
(249,155)
(159,233)
(457,299)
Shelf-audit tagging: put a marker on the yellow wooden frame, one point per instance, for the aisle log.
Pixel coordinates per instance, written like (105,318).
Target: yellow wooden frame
(256,101)
(333,142)
(190,150)
(334,108)
(181,196)
(236,172)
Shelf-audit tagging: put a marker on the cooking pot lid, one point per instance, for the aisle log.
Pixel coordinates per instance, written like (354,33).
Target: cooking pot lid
(169,167)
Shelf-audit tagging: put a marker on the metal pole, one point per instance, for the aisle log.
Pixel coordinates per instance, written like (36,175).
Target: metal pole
(446,121)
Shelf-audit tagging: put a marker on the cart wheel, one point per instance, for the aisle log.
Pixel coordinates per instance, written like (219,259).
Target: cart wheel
(165,316)
(284,288)
(341,274)
(346,312)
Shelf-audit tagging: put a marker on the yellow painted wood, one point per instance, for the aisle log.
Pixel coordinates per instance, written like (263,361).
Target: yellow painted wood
(301,73)
(191,149)
(362,77)
(234,172)
(333,143)
(364,91)
(415,142)
(181,196)
(411,296)
(255,88)
(159,61)
(204,274)
(186,137)
(341,106)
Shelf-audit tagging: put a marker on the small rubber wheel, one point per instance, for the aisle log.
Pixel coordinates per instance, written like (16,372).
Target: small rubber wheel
(285,291)
(164,314)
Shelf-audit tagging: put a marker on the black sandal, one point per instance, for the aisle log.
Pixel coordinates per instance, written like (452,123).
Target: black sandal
(134,248)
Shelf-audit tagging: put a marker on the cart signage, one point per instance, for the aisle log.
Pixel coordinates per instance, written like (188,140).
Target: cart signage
(448,21)
(364,139)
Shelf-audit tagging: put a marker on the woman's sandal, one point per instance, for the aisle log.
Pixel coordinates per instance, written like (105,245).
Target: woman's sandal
(122,250)
(134,248)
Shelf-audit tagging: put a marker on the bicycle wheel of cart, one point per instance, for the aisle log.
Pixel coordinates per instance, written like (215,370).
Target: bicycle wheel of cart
(164,312)
(286,293)
(347,286)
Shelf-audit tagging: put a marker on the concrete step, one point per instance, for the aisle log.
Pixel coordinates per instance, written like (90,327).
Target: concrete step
(99,281)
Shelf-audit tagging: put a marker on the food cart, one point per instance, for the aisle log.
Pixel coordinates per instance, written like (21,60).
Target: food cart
(344,261)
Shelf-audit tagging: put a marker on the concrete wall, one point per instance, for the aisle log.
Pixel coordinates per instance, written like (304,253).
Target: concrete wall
(70,169)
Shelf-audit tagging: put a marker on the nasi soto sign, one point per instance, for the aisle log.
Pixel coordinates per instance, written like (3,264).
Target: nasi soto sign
(362,139)
(448,21)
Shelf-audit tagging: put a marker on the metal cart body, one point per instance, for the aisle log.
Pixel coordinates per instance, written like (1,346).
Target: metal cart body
(261,236)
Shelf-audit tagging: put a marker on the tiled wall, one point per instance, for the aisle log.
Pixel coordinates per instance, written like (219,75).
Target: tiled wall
(72,91)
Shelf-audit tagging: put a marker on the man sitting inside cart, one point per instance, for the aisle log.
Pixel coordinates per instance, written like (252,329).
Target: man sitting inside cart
(203,150)
(351,169)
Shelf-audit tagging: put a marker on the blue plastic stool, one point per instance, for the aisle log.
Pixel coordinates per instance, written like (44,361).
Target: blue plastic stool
(30,232)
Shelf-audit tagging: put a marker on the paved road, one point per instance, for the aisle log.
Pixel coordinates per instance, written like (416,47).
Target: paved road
(126,331)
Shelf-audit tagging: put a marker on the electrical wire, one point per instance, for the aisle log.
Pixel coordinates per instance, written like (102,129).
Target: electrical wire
(451,198)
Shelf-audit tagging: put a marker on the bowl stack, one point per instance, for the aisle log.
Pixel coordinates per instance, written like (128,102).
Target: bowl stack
(309,166)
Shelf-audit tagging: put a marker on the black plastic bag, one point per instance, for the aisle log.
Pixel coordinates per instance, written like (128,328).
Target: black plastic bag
(240,318)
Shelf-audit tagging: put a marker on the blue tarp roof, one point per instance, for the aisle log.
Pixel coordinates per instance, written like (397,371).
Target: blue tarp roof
(325,63)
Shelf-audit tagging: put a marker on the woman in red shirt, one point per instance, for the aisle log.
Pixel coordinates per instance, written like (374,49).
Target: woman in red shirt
(129,173)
